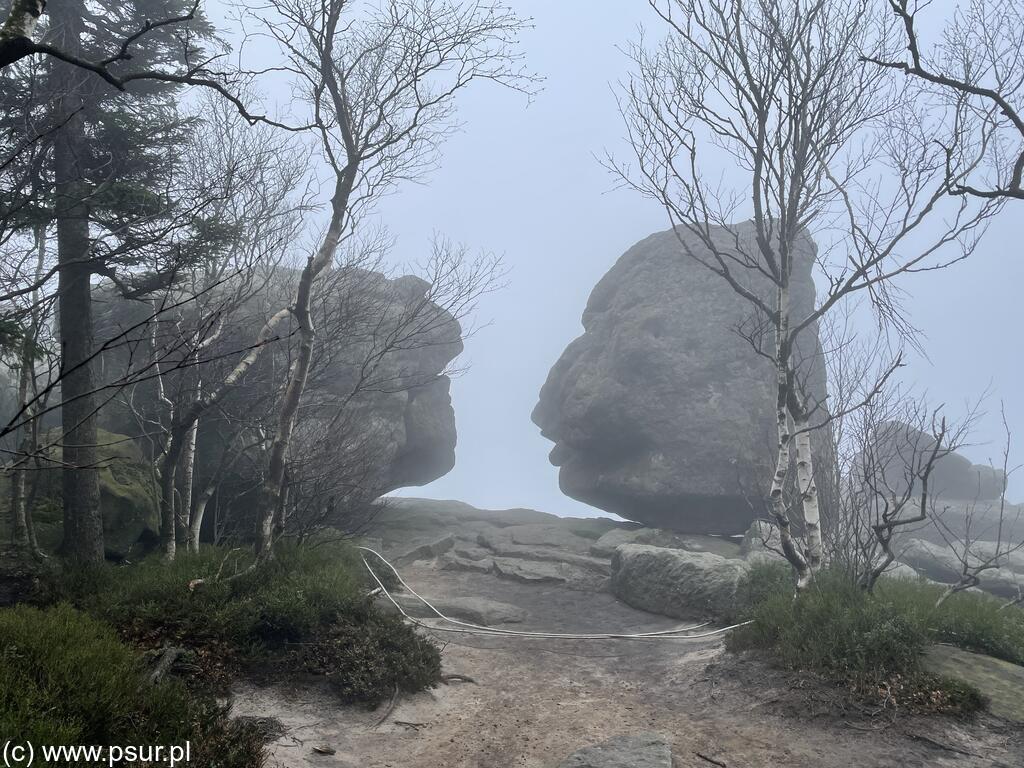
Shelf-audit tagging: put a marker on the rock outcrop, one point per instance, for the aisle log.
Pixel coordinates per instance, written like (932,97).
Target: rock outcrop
(675,582)
(953,476)
(128,502)
(644,750)
(376,412)
(660,412)
(520,545)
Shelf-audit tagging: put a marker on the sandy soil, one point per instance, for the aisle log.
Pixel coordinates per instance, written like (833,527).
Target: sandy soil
(536,701)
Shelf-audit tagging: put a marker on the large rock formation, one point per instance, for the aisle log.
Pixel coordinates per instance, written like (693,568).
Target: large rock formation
(377,391)
(660,411)
(899,446)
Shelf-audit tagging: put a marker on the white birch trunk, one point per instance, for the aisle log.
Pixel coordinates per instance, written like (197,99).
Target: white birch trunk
(808,496)
(188,462)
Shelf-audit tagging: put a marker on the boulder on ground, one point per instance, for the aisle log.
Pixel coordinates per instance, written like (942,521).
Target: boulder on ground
(952,477)
(1001,682)
(644,750)
(658,537)
(19,576)
(675,582)
(128,499)
(660,412)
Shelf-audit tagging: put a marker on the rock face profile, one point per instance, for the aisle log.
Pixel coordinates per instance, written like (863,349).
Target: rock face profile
(661,412)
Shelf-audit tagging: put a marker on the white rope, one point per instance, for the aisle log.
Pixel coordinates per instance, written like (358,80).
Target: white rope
(463,627)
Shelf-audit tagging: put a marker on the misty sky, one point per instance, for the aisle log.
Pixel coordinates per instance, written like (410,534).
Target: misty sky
(526,183)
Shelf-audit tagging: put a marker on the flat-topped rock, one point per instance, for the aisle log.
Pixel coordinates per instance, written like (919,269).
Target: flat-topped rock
(657,537)
(644,750)
(1001,682)
(675,582)
(540,572)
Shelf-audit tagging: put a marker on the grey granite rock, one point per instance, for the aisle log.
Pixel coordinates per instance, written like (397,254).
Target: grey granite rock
(644,750)
(660,412)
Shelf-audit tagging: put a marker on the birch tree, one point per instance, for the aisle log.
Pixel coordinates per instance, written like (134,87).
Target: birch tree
(381,85)
(826,146)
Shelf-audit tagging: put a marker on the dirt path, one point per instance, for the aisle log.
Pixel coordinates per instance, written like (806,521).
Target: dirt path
(536,701)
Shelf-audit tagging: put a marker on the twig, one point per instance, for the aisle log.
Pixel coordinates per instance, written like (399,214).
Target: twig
(407,724)
(711,760)
(446,679)
(389,710)
(940,745)
(164,664)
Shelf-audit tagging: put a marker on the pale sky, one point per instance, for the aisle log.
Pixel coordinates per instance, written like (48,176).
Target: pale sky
(525,182)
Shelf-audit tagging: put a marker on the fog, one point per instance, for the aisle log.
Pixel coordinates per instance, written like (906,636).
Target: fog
(523,179)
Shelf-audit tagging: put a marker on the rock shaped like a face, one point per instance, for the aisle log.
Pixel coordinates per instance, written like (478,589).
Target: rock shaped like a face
(661,412)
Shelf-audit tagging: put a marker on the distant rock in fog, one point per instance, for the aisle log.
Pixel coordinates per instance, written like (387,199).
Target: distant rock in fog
(660,412)
(953,476)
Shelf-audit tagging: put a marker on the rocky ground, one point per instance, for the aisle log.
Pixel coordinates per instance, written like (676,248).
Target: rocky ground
(532,703)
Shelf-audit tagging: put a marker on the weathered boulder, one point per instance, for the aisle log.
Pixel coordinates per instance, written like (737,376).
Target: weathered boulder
(952,477)
(377,412)
(675,582)
(643,750)
(657,537)
(19,576)
(660,412)
(941,564)
(933,561)
(128,501)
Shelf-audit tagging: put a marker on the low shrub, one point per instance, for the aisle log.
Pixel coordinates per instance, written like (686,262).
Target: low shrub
(66,679)
(873,643)
(306,597)
(367,656)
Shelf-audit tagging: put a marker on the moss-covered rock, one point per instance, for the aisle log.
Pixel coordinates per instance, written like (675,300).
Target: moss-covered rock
(131,516)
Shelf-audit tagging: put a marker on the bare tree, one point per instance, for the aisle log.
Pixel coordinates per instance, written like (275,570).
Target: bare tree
(976,556)
(381,86)
(779,88)
(979,68)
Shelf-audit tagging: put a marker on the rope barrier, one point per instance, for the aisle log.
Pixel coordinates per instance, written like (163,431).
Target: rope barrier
(468,628)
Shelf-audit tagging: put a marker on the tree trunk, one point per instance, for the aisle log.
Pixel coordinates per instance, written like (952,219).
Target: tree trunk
(187,471)
(168,472)
(83,521)
(808,495)
(271,506)
(195,525)
(19,514)
(776,498)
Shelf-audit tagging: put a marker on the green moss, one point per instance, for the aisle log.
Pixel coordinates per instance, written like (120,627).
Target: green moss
(128,500)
